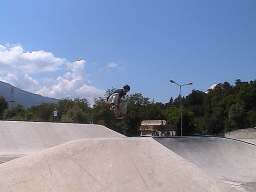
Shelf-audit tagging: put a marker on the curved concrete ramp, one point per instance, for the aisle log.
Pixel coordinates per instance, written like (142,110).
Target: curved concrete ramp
(18,138)
(109,165)
(247,135)
(226,159)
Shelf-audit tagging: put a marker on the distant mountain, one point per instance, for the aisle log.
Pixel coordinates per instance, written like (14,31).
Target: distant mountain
(14,95)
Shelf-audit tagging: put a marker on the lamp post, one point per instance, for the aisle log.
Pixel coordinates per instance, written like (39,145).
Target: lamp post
(180,86)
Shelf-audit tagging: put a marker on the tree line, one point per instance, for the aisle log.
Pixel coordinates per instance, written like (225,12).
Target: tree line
(224,108)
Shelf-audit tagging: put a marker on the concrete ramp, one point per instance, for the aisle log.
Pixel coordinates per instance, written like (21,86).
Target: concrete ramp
(247,135)
(109,165)
(18,138)
(229,160)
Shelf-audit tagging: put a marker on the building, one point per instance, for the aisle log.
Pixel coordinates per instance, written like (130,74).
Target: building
(156,128)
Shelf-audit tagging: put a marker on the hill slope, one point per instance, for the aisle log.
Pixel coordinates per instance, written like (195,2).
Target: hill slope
(27,99)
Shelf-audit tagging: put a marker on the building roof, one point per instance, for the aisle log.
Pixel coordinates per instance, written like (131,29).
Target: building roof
(153,122)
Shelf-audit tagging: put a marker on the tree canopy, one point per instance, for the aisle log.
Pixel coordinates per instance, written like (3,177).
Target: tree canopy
(224,108)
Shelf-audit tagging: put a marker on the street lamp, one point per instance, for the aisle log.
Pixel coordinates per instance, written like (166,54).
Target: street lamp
(180,86)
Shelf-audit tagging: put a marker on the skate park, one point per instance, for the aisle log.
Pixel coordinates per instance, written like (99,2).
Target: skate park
(22,138)
(43,156)
(226,159)
(128,96)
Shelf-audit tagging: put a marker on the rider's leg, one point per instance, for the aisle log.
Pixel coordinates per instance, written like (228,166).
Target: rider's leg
(122,108)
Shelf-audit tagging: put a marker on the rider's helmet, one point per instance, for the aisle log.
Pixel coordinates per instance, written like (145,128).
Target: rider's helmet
(126,88)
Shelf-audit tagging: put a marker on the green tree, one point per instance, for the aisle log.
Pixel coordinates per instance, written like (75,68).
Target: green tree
(3,106)
(76,115)
(236,116)
(43,112)
(16,113)
(251,118)
(101,113)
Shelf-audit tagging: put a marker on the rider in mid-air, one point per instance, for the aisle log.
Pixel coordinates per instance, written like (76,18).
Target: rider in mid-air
(115,100)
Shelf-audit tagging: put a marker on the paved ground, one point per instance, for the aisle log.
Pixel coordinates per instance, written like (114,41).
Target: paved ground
(109,165)
(228,160)
(20,138)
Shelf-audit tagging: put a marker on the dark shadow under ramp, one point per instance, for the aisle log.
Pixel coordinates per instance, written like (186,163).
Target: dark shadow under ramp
(229,160)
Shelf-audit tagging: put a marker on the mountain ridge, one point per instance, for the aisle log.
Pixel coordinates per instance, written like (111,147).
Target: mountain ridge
(19,96)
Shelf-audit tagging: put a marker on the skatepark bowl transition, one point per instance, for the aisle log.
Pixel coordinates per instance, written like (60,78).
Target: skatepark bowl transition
(229,160)
(62,157)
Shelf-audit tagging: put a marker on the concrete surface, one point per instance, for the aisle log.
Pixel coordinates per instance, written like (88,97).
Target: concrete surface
(109,165)
(18,138)
(252,141)
(247,135)
(229,160)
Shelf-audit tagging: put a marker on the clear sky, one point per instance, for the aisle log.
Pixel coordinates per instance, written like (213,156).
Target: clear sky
(144,43)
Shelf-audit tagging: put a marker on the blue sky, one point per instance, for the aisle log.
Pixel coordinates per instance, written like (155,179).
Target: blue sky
(144,43)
